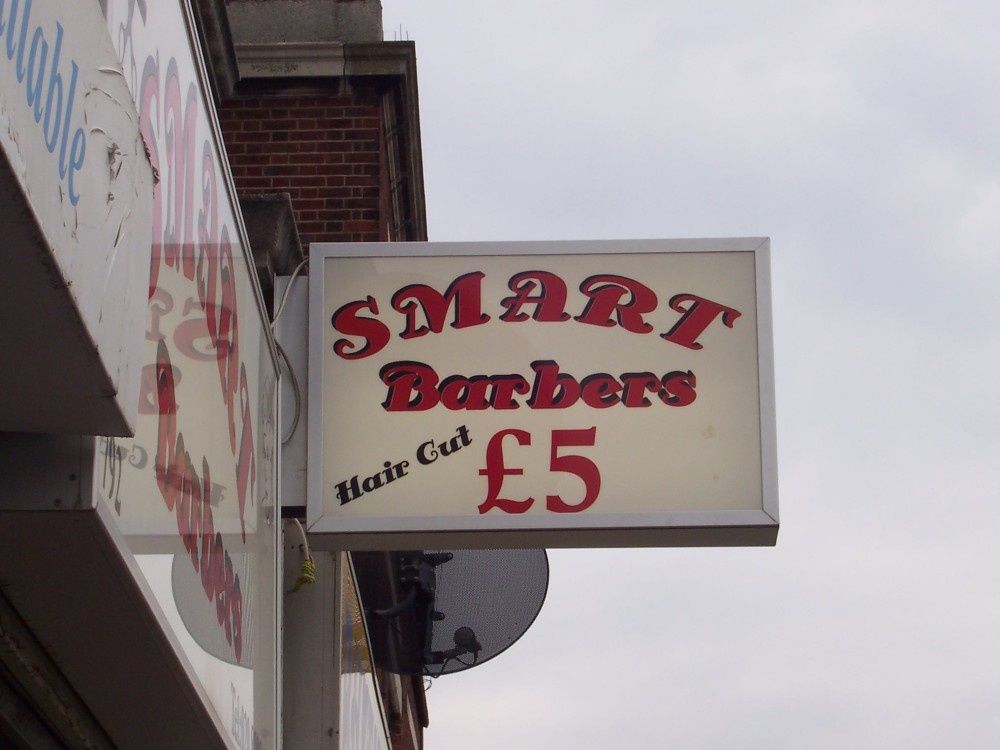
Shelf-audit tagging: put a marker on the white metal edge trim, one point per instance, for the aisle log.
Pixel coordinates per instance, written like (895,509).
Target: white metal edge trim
(707,520)
(314,431)
(323,250)
(765,363)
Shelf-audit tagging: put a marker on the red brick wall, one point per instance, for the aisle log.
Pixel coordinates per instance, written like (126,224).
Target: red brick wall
(324,151)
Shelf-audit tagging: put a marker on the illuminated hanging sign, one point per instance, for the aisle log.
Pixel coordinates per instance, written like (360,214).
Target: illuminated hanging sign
(542,394)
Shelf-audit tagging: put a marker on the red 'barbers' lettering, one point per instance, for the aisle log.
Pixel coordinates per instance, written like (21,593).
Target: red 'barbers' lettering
(473,393)
(635,386)
(412,386)
(678,388)
(552,389)
(600,390)
(415,386)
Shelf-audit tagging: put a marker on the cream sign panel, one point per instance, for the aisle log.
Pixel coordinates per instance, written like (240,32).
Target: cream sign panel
(566,394)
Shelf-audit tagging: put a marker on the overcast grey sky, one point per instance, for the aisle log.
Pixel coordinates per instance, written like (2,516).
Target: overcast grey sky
(862,137)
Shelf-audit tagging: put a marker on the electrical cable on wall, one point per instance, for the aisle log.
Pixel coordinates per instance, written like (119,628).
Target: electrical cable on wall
(296,390)
(285,295)
(307,573)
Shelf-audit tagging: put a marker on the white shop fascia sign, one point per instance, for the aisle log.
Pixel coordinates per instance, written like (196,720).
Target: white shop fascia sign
(542,394)
(77,187)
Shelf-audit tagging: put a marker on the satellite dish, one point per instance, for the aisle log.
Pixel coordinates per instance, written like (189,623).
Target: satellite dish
(458,609)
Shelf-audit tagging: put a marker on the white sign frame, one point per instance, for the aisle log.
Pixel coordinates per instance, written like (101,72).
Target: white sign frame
(755,524)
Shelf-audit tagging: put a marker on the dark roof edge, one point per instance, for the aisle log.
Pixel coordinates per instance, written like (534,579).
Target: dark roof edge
(217,46)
